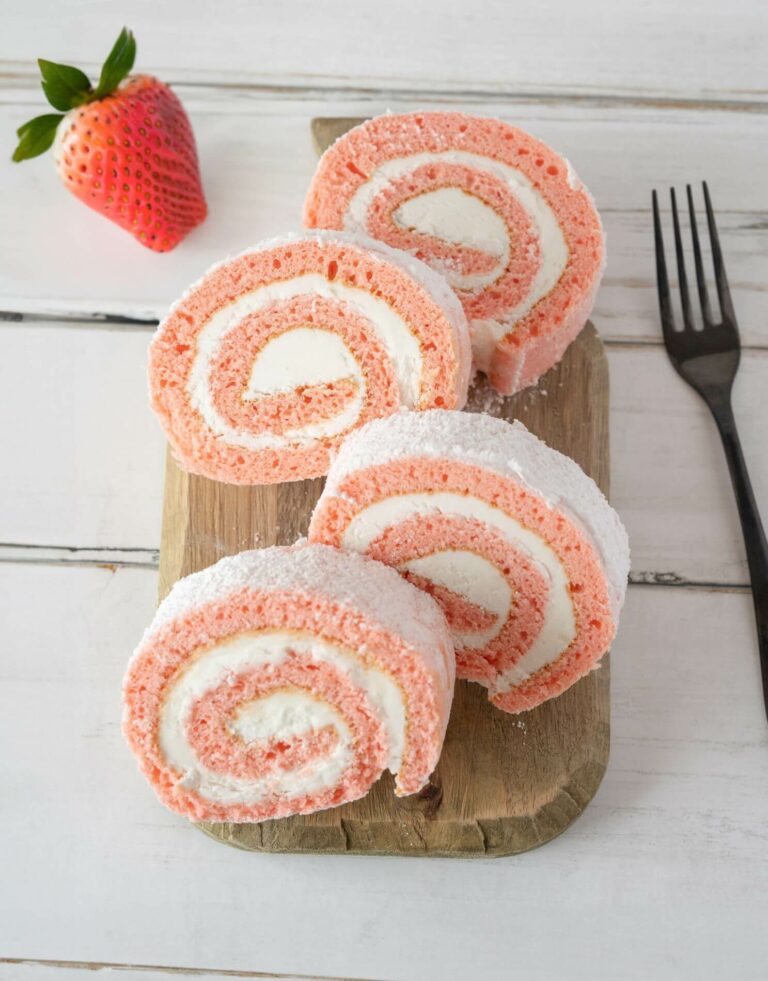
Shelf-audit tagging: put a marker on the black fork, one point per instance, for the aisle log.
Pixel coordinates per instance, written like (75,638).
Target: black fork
(708,359)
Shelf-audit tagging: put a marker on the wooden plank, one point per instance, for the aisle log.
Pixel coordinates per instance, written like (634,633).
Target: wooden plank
(689,49)
(671,483)
(95,870)
(503,784)
(259,194)
(90,412)
(28,970)
(87,459)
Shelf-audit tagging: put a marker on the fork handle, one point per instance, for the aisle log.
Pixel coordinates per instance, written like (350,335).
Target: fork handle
(751,526)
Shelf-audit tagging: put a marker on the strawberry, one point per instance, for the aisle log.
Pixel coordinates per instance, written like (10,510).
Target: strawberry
(125,148)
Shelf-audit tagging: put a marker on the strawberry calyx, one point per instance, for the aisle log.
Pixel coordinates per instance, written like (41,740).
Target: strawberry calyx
(66,88)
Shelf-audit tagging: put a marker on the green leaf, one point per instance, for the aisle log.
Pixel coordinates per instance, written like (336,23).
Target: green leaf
(119,62)
(64,87)
(36,136)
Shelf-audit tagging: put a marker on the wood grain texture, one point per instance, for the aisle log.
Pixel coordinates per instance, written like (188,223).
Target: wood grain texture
(12,969)
(257,161)
(700,49)
(671,858)
(504,783)
(668,477)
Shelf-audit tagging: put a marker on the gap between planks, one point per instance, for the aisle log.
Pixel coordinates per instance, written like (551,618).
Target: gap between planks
(335,88)
(113,558)
(205,972)
(114,322)
(109,556)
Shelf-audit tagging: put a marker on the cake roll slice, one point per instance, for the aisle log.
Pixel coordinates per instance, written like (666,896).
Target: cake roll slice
(264,366)
(496,211)
(286,680)
(513,539)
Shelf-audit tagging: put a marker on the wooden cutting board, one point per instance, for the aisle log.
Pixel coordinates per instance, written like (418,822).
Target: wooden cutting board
(504,783)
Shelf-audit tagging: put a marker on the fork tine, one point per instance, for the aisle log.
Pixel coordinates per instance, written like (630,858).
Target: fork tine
(706,310)
(662,282)
(682,278)
(721,280)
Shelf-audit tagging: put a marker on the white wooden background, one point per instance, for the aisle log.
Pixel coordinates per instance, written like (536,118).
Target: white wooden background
(666,874)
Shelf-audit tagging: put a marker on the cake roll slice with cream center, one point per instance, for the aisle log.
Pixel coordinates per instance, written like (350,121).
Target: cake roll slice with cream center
(286,680)
(496,211)
(263,367)
(513,539)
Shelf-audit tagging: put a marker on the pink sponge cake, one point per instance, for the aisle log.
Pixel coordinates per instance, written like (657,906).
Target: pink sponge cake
(518,545)
(499,213)
(284,681)
(264,366)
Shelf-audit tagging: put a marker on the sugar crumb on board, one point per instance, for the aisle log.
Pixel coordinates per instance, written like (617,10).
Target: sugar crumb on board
(488,401)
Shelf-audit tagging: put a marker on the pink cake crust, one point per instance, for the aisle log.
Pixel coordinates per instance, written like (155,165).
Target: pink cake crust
(411,289)
(511,451)
(421,536)
(506,468)
(537,341)
(283,412)
(313,591)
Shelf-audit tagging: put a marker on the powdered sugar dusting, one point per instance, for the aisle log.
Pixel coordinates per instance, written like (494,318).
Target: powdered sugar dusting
(374,590)
(507,449)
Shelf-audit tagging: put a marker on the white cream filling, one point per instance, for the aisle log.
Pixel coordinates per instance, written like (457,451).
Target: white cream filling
(456,216)
(269,717)
(284,714)
(401,346)
(302,356)
(474,578)
(554,251)
(559,626)
(307,356)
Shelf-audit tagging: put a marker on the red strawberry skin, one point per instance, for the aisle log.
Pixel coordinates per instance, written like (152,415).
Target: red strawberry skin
(132,157)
